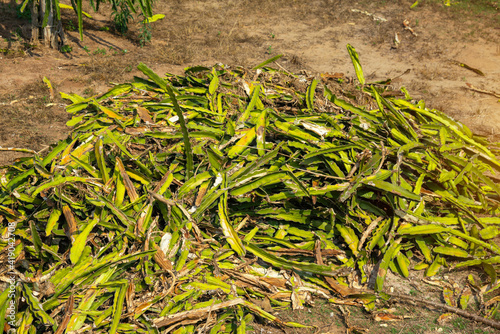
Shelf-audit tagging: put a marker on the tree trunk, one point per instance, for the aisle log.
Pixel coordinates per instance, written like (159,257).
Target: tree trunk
(35,31)
(52,35)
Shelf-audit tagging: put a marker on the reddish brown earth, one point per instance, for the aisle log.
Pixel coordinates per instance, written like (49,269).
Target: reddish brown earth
(312,35)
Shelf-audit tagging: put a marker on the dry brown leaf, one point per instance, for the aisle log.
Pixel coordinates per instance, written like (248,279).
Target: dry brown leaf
(439,283)
(492,301)
(137,130)
(444,318)
(70,219)
(129,297)
(448,297)
(200,195)
(277,282)
(367,232)
(296,302)
(282,295)
(343,290)
(129,186)
(386,316)
(253,281)
(67,315)
(162,260)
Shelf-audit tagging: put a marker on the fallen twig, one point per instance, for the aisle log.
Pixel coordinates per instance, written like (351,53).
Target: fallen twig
(456,310)
(489,92)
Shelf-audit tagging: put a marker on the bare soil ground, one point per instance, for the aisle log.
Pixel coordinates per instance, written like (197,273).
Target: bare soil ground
(312,35)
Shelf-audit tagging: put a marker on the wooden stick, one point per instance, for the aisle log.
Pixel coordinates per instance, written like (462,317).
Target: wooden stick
(489,92)
(456,310)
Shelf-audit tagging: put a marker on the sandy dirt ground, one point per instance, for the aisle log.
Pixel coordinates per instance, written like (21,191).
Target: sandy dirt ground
(421,48)
(312,35)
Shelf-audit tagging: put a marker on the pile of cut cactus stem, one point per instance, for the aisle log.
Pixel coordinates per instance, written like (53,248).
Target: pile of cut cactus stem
(196,203)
